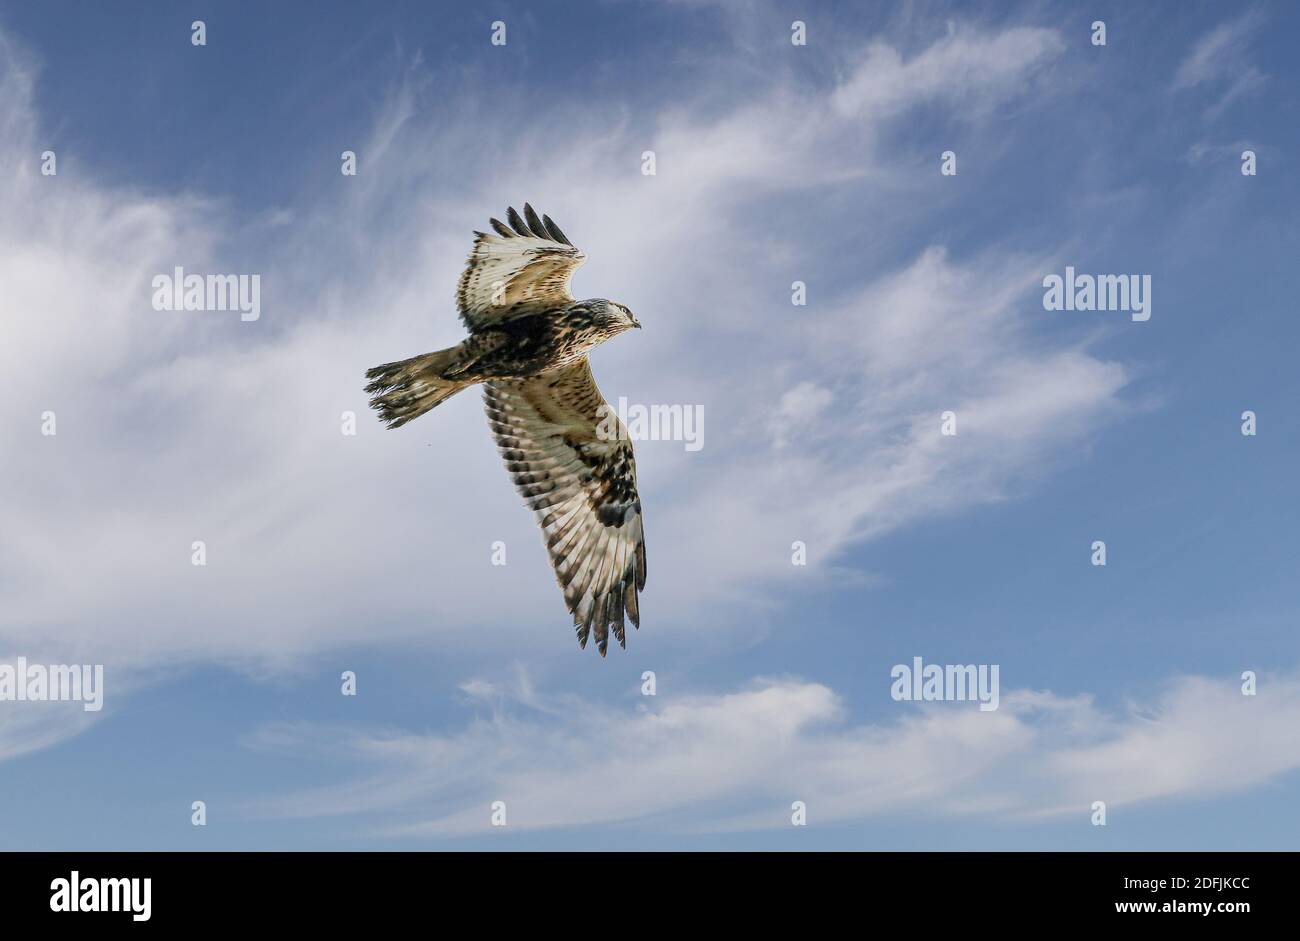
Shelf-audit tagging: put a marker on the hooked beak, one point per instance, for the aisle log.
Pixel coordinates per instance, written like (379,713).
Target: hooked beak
(636,323)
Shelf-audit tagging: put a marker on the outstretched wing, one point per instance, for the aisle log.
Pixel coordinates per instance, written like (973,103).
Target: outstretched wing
(571,460)
(525,266)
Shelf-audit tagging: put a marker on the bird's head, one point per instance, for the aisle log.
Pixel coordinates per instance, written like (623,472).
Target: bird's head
(613,318)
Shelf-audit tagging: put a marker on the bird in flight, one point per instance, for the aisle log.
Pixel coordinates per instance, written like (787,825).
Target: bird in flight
(567,452)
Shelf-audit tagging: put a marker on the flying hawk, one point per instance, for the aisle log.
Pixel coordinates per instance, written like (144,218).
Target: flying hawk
(567,452)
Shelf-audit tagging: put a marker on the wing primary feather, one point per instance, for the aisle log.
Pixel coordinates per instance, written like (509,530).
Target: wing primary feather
(501,229)
(590,621)
(604,575)
(534,224)
(516,223)
(582,627)
(632,605)
(597,574)
(618,571)
(554,232)
(616,614)
(584,580)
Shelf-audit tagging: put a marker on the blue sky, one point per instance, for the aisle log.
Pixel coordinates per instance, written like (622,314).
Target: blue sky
(776,163)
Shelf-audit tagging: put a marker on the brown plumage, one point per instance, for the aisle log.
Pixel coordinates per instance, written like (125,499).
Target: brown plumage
(565,449)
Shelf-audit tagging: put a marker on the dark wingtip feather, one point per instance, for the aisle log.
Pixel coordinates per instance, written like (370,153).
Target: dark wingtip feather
(632,606)
(596,618)
(614,612)
(534,224)
(516,223)
(501,230)
(554,232)
(582,626)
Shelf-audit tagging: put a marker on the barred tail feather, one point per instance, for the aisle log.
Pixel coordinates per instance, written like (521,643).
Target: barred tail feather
(407,389)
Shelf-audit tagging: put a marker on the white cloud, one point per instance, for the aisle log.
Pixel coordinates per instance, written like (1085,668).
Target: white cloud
(1211,152)
(30,726)
(737,760)
(975,70)
(1220,59)
(799,405)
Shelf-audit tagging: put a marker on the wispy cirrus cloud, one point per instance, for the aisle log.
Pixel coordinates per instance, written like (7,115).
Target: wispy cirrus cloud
(976,70)
(737,760)
(30,726)
(1221,61)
